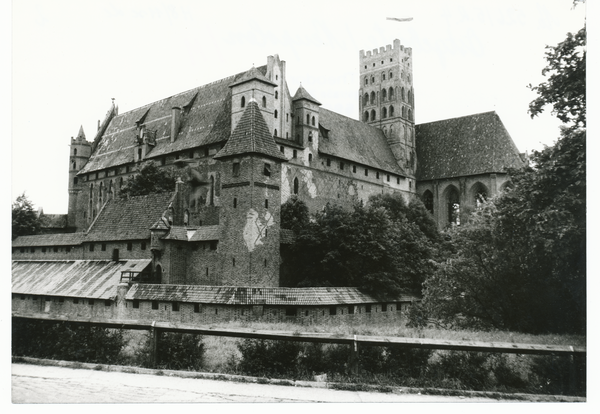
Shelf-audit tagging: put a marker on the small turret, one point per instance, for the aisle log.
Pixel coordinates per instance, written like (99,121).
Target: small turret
(80,150)
(306,118)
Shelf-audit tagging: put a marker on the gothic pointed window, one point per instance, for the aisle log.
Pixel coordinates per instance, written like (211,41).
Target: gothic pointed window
(391,93)
(428,201)
(383,76)
(275,114)
(373,115)
(365,99)
(296,185)
(307,119)
(275,133)
(372,98)
(312,121)
(243,103)
(402,94)
(366,116)
(383,95)
(391,111)
(383,113)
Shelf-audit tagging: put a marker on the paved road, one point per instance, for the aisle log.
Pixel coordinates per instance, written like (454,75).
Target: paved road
(49,384)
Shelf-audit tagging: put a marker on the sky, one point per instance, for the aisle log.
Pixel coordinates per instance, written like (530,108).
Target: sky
(70,58)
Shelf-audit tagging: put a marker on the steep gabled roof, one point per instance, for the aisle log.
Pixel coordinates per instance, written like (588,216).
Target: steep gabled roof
(469,145)
(205,120)
(356,141)
(302,93)
(252,74)
(129,219)
(251,136)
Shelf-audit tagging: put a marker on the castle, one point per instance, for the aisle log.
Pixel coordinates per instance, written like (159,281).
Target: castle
(241,147)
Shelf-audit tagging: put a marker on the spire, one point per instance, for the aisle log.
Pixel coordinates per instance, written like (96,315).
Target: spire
(81,134)
(301,93)
(251,136)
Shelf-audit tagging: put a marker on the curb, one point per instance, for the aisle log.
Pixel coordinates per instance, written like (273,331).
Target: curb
(298,383)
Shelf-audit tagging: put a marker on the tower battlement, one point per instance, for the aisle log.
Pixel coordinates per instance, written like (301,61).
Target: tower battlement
(388,50)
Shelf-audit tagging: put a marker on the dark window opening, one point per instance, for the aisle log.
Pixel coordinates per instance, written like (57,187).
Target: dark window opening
(196,308)
(154,305)
(91,247)
(368,308)
(328,162)
(341,165)
(76,301)
(91,302)
(266,203)
(107,302)
(290,311)
(332,310)
(281,149)
(213,246)
(243,103)
(351,310)
(236,169)
(296,185)
(136,304)
(175,306)
(267,170)
(129,246)
(354,168)
(143,245)
(103,247)
(384,307)
(234,202)
(295,154)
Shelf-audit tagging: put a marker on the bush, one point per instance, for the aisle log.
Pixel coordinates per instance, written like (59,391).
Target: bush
(175,351)
(261,357)
(466,367)
(553,375)
(66,341)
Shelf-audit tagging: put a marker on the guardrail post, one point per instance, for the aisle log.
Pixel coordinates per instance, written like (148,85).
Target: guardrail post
(354,364)
(155,337)
(578,370)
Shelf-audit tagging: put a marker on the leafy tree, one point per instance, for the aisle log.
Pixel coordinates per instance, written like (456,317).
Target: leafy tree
(294,214)
(25,220)
(370,247)
(520,262)
(150,179)
(565,87)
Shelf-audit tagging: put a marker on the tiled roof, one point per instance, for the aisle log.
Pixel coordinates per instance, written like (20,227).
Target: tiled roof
(61,239)
(194,234)
(302,93)
(286,236)
(251,136)
(95,279)
(468,145)
(252,74)
(356,141)
(205,119)
(227,295)
(53,220)
(129,219)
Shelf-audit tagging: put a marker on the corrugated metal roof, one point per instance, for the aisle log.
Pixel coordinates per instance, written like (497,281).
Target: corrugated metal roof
(94,279)
(469,145)
(229,295)
(60,239)
(356,141)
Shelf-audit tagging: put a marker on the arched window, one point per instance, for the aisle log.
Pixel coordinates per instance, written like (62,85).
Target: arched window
(391,75)
(402,95)
(264,102)
(275,113)
(73,165)
(373,115)
(309,157)
(366,81)
(373,78)
(212,190)
(366,116)
(275,133)
(383,95)
(75,151)
(307,119)
(410,117)
(385,131)
(428,201)
(383,76)
(479,194)
(296,185)
(403,111)
(409,96)
(276,95)
(391,93)
(384,113)
(391,111)
(453,206)
(366,99)
(243,102)
(312,121)
(372,98)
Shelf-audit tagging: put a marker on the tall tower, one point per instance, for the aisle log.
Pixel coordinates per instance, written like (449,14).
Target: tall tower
(386,100)
(306,118)
(250,164)
(79,154)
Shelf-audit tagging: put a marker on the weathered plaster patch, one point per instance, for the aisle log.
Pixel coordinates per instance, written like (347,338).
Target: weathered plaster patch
(285,184)
(307,177)
(255,228)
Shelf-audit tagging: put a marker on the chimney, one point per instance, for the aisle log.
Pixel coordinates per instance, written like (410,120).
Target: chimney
(175,121)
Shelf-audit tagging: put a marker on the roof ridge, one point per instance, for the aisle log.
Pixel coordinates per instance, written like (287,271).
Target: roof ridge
(493,111)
